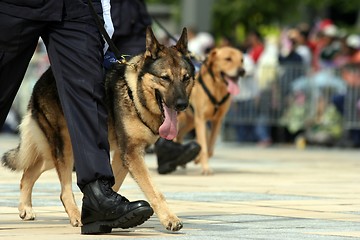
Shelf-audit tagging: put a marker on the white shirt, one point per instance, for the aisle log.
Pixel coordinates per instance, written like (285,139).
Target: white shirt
(109,27)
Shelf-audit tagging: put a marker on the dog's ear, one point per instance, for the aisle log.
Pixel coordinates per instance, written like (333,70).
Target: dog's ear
(210,58)
(212,54)
(152,44)
(182,44)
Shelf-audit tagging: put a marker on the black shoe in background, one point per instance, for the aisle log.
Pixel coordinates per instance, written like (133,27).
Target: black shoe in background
(104,209)
(171,154)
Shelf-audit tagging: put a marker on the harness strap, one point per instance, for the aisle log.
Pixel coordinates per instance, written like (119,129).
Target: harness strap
(216,103)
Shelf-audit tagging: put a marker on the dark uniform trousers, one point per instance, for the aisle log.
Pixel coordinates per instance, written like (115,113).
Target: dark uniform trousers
(130,28)
(74,46)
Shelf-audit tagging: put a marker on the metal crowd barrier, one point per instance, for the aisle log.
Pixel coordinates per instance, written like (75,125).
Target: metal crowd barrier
(295,90)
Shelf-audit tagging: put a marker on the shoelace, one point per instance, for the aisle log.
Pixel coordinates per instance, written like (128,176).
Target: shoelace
(110,192)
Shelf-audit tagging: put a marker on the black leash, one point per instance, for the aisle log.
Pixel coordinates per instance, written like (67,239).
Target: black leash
(168,34)
(103,32)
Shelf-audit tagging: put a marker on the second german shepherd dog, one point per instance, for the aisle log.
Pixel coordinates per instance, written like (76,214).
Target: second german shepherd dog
(142,97)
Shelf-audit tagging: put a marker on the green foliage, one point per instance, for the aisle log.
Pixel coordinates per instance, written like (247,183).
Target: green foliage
(267,16)
(172,2)
(233,18)
(254,14)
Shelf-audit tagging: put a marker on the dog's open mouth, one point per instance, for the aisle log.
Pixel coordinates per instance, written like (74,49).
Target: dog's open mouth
(232,83)
(168,128)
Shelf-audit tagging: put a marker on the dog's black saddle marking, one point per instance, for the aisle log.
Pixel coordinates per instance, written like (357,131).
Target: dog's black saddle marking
(131,96)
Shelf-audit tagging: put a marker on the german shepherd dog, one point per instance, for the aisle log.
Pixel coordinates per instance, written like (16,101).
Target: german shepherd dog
(210,99)
(142,97)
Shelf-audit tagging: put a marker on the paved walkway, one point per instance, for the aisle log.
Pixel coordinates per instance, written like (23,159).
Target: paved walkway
(275,193)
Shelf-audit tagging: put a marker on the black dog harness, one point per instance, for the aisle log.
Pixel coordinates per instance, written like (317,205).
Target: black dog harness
(216,103)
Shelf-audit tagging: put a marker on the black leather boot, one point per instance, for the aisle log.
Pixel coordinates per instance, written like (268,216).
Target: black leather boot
(171,154)
(104,209)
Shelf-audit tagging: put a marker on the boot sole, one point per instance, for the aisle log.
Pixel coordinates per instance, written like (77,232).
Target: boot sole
(131,219)
(187,157)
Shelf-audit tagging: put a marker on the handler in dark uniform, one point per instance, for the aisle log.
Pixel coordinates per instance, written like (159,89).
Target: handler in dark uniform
(75,49)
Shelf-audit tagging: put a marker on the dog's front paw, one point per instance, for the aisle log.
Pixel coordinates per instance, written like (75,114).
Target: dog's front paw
(26,213)
(75,221)
(207,171)
(75,217)
(170,221)
(174,226)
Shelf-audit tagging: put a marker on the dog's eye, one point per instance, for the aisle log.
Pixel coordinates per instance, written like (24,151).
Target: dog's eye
(228,59)
(186,77)
(165,78)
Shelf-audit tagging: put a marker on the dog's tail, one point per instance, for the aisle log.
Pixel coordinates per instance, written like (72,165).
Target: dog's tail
(10,159)
(25,154)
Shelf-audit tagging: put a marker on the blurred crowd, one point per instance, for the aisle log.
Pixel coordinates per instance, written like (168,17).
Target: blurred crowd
(302,82)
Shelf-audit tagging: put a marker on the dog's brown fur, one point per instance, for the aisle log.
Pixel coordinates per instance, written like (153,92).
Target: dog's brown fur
(221,66)
(135,96)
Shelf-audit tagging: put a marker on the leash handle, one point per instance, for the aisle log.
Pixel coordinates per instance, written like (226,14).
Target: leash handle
(103,32)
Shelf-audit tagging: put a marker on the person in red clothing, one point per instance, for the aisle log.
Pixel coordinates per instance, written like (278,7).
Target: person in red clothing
(255,45)
(322,44)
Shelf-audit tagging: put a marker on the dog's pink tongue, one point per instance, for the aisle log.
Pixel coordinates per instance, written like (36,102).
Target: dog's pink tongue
(232,87)
(168,128)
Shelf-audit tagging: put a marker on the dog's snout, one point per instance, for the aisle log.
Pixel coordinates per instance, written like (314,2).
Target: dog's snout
(241,72)
(181,104)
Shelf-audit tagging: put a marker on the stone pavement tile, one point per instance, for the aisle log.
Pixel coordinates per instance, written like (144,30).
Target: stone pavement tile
(340,234)
(275,193)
